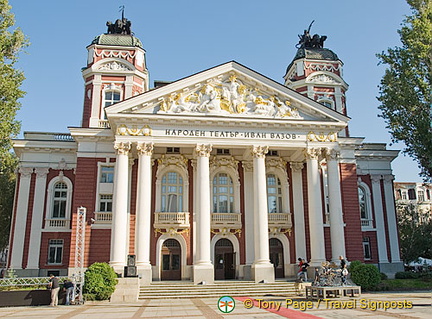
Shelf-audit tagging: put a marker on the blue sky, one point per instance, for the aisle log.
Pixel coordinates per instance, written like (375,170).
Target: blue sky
(185,37)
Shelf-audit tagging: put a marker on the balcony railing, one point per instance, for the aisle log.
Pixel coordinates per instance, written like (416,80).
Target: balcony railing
(367,223)
(231,220)
(103,124)
(103,217)
(279,220)
(57,223)
(175,220)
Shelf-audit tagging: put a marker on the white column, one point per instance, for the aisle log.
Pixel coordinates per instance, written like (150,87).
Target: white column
(249,215)
(316,229)
(143,212)
(379,218)
(203,268)
(299,223)
(37,219)
(119,229)
(337,233)
(391,218)
(262,269)
(21,218)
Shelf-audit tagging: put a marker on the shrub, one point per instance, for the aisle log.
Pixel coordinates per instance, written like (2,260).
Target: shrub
(406,275)
(366,276)
(100,282)
(353,265)
(383,276)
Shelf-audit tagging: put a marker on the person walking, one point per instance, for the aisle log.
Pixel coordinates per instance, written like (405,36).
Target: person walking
(344,270)
(68,286)
(55,287)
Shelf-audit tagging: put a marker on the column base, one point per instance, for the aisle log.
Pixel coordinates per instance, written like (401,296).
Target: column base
(203,274)
(263,272)
(118,268)
(144,274)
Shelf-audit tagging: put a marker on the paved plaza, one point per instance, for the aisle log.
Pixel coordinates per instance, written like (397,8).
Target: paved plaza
(368,305)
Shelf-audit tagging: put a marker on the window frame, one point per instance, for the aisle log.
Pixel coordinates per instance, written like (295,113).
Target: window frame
(216,195)
(59,243)
(279,194)
(51,197)
(367,204)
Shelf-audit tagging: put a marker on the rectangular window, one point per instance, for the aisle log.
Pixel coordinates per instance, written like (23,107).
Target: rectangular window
(222,151)
(173,150)
(421,196)
(105,203)
(367,248)
(107,174)
(55,251)
(272,153)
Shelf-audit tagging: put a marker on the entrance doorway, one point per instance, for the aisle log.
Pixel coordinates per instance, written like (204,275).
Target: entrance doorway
(276,257)
(224,260)
(171,267)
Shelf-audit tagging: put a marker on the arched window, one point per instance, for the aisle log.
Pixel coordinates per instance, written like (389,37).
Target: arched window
(172,192)
(274,194)
(59,200)
(223,194)
(365,205)
(362,203)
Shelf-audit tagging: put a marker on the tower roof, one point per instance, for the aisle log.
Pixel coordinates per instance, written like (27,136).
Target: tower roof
(118,40)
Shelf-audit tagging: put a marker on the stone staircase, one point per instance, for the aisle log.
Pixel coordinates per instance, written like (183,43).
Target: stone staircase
(170,290)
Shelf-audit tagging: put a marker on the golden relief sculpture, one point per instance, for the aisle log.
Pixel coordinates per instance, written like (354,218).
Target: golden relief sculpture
(134,130)
(229,96)
(321,137)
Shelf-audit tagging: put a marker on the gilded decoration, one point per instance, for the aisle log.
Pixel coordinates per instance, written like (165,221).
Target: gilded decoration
(176,160)
(277,230)
(259,151)
(171,232)
(227,96)
(223,161)
(276,163)
(321,137)
(312,153)
(145,148)
(203,150)
(226,231)
(122,147)
(124,130)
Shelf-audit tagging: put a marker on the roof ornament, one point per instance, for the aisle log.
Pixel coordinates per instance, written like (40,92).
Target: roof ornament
(121,26)
(306,41)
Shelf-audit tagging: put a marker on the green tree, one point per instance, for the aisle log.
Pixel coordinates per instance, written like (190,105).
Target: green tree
(415,229)
(99,282)
(11,44)
(406,91)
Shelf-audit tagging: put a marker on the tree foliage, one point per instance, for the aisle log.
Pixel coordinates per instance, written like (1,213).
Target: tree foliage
(405,89)
(11,44)
(100,281)
(366,276)
(415,229)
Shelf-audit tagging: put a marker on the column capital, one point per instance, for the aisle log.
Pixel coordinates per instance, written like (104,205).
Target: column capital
(388,179)
(331,154)
(41,172)
(296,166)
(259,151)
(203,150)
(247,166)
(122,148)
(145,148)
(375,179)
(25,171)
(312,153)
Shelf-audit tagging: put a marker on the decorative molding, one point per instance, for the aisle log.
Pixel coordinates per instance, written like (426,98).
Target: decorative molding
(114,66)
(176,160)
(116,54)
(25,171)
(375,179)
(322,67)
(226,231)
(312,153)
(331,154)
(321,137)
(225,95)
(122,148)
(203,150)
(296,166)
(276,163)
(388,178)
(259,151)
(171,232)
(247,166)
(274,231)
(323,78)
(221,161)
(62,164)
(144,148)
(41,172)
(124,130)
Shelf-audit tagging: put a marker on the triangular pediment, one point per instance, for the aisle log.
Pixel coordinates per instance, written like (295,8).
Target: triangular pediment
(229,90)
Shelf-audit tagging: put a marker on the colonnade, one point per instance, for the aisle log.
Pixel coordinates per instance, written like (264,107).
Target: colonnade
(262,269)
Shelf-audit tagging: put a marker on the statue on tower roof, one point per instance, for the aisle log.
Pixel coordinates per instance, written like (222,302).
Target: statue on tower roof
(121,26)
(308,42)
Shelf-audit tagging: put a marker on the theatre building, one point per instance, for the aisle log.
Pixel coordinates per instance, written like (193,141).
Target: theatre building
(224,174)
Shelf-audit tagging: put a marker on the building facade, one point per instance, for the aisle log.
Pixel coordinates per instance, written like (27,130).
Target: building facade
(225,174)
